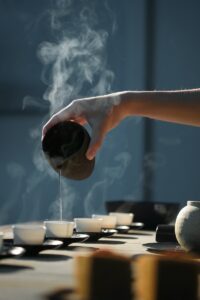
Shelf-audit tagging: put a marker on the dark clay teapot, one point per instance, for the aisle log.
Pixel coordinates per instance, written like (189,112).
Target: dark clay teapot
(65,145)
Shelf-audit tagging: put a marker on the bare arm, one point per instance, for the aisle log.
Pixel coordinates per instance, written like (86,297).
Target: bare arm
(105,112)
(172,106)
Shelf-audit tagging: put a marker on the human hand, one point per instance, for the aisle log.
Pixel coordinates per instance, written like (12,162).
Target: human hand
(102,113)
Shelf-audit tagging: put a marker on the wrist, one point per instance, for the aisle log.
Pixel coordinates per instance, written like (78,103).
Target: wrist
(131,103)
(137,103)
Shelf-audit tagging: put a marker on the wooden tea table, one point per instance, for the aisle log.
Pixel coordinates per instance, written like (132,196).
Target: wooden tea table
(32,278)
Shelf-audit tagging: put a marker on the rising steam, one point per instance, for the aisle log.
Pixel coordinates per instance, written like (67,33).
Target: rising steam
(74,64)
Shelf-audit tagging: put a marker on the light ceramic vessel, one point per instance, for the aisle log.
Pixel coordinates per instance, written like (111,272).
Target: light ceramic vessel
(187,226)
(108,222)
(123,218)
(62,229)
(29,234)
(88,225)
(1,240)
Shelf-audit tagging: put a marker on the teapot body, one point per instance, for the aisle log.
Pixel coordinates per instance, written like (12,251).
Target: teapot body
(65,146)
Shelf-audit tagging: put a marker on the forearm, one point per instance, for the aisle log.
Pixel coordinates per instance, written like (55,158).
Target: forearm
(172,106)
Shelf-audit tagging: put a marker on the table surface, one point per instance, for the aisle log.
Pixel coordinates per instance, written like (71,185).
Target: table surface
(27,278)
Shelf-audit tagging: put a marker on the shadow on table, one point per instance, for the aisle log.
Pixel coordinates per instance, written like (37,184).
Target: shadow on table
(107,242)
(141,233)
(81,248)
(4,268)
(46,257)
(163,247)
(122,237)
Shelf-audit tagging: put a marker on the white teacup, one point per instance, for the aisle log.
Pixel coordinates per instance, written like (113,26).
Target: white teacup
(123,218)
(62,229)
(29,234)
(1,240)
(108,222)
(88,225)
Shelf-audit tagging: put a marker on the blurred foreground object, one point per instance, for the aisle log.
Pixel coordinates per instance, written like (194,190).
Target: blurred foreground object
(103,275)
(166,278)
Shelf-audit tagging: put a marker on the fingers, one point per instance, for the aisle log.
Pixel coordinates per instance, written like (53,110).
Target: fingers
(96,142)
(52,121)
(82,112)
(68,113)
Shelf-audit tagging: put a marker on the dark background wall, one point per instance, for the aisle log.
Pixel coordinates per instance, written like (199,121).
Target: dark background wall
(177,66)
(149,46)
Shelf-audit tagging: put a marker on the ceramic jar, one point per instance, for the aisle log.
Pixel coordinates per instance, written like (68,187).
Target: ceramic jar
(187,226)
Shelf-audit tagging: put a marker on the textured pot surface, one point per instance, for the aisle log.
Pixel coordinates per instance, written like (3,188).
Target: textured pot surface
(65,146)
(187,226)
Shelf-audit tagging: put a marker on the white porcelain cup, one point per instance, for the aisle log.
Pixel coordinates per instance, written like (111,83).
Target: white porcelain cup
(1,240)
(88,225)
(108,222)
(62,229)
(30,234)
(123,218)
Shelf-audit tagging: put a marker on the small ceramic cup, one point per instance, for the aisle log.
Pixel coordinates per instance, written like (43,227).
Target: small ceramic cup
(123,218)
(88,225)
(108,222)
(29,234)
(62,229)
(1,240)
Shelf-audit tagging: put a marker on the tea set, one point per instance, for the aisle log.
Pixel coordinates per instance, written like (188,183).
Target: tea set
(58,234)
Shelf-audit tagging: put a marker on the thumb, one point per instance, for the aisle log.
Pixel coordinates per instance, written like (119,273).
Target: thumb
(95,143)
